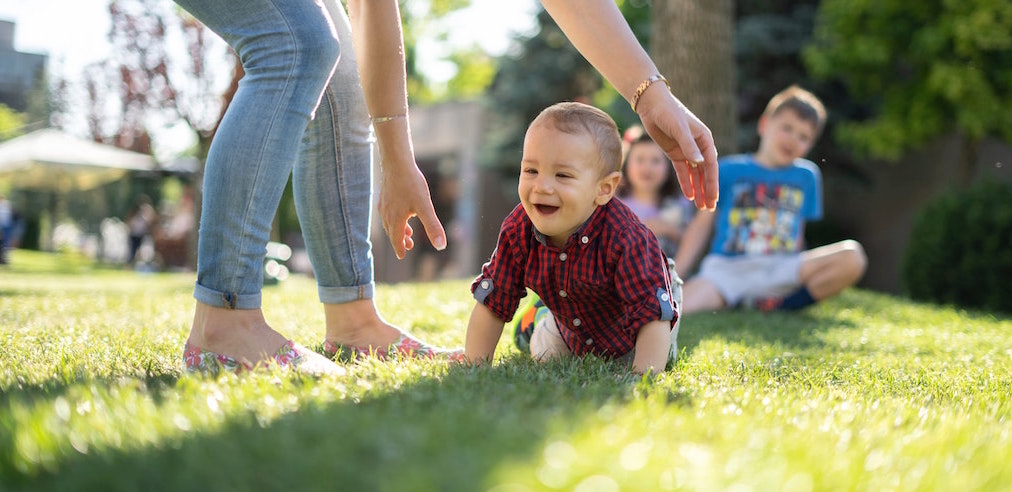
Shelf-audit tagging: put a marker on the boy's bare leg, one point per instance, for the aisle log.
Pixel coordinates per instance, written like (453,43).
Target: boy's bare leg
(827,270)
(701,295)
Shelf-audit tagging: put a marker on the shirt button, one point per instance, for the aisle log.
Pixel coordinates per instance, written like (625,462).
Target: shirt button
(590,341)
(664,296)
(562,293)
(563,257)
(584,239)
(484,284)
(577,322)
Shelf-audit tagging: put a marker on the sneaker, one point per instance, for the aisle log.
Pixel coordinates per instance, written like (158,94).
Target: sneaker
(762,304)
(523,327)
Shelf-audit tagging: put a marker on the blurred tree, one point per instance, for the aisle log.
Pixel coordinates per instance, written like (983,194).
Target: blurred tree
(147,83)
(693,45)
(422,20)
(475,72)
(545,69)
(155,87)
(769,38)
(11,123)
(920,70)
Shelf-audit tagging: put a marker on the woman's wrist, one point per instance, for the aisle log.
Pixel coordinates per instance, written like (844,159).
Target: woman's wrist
(645,85)
(654,94)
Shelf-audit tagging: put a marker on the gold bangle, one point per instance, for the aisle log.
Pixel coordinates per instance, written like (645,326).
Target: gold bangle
(384,119)
(643,88)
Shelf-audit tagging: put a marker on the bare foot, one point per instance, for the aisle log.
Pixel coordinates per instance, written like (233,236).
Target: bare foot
(242,334)
(359,324)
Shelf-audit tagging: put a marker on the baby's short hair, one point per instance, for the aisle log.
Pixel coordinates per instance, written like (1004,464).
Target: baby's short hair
(574,117)
(804,103)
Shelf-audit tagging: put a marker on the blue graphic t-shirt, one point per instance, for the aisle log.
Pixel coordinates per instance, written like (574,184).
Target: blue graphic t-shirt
(762,211)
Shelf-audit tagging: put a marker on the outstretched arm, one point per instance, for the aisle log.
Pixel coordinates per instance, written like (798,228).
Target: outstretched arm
(379,48)
(483,332)
(600,33)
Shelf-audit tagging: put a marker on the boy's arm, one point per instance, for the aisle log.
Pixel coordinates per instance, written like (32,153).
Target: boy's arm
(483,332)
(653,344)
(697,234)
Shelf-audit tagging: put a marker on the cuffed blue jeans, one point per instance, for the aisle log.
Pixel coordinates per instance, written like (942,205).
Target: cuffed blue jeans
(299,110)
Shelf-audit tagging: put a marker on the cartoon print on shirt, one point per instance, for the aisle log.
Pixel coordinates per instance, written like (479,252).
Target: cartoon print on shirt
(764,218)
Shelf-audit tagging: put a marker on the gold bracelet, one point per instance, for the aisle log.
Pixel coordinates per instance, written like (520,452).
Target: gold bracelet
(643,88)
(384,119)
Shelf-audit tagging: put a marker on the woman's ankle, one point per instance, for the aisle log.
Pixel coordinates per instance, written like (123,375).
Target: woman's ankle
(358,323)
(214,326)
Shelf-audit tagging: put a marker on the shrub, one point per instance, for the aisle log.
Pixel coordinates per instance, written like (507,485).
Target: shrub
(961,249)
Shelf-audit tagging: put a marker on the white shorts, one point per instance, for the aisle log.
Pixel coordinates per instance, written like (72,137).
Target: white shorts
(742,277)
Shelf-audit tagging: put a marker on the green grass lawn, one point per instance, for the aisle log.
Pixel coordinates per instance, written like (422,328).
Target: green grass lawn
(865,392)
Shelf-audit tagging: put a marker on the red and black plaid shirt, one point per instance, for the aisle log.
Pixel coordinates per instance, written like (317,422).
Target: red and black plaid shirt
(609,280)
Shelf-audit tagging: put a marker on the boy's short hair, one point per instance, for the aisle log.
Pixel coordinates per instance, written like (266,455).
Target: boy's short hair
(574,117)
(804,103)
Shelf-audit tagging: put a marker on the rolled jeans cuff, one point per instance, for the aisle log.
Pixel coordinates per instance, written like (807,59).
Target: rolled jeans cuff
(228,300)
(341,295)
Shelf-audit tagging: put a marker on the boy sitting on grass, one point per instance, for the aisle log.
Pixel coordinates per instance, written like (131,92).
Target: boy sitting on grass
(600,273)
(756,258)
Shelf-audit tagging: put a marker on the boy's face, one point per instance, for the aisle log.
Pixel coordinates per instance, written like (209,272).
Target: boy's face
(783,137)
(561,180)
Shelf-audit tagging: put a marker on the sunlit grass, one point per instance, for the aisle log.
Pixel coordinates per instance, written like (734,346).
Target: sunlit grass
(866,392)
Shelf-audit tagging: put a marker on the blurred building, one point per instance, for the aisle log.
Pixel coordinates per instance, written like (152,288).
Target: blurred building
(20,72)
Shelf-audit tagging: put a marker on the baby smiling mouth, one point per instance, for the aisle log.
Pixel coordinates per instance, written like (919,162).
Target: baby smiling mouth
(546,209)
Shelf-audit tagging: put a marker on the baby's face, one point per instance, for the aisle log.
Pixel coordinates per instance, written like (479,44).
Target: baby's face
(560,180)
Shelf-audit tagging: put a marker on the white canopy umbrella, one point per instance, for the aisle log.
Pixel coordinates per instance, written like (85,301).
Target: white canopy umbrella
(51,160)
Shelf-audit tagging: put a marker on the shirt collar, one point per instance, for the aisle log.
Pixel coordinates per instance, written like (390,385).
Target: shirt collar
(584,233)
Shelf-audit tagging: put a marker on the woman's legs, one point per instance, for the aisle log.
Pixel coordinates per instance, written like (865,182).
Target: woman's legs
(333,195)
(288,49)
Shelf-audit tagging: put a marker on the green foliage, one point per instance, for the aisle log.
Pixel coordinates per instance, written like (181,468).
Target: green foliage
(11,123)
(420,20)
(960,250)
(544,70)
(921,69)
(769,38)
(863,392)
(475,72)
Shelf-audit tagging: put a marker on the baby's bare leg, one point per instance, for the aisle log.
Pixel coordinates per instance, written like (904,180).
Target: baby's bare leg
(546,341)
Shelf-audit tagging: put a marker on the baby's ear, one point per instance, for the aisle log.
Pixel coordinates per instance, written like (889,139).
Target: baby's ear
(607,187)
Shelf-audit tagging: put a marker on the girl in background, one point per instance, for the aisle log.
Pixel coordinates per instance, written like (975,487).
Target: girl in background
(649,188)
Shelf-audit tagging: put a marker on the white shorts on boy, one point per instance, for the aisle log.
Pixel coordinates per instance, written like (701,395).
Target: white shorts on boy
(752,277)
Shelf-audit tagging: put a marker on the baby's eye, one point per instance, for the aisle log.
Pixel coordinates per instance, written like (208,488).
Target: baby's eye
(529,170)
(563,176)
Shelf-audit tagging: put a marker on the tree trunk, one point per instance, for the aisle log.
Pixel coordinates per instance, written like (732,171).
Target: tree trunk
(692,42)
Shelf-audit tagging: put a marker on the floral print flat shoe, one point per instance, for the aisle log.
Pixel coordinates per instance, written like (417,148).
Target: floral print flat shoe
(405,346)
(289,356)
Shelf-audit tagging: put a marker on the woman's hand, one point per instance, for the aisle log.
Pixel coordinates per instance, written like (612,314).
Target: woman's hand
(405,194)
(686,141)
